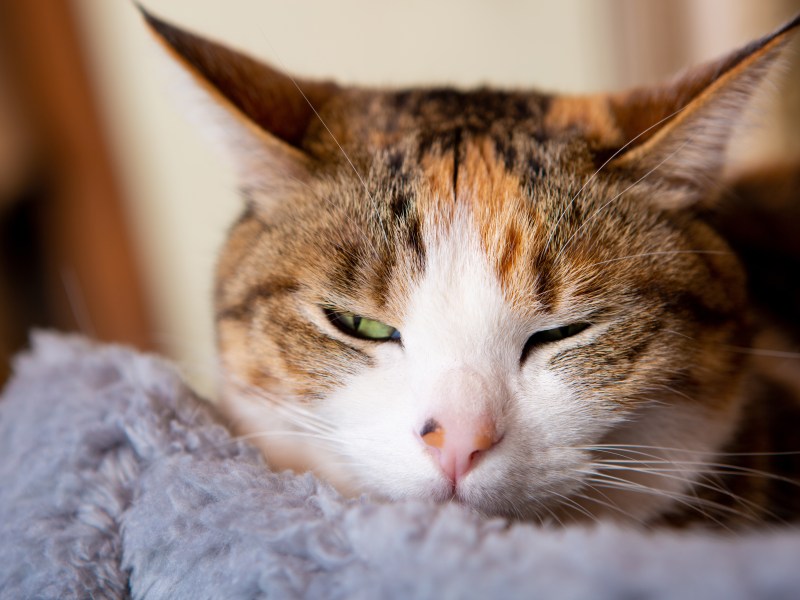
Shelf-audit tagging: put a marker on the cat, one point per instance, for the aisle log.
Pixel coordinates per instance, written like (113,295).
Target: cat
(508,299)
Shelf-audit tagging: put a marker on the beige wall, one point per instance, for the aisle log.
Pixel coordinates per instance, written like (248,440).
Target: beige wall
(182,193)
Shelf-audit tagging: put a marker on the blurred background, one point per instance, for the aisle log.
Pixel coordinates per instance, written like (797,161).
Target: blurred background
(112,207)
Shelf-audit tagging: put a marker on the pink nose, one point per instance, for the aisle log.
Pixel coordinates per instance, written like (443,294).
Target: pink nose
(458,445)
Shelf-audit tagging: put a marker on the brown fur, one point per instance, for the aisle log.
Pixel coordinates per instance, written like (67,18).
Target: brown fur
(382,171)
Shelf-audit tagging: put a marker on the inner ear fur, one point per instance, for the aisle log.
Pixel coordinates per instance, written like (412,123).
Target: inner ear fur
(682,128)
(677,131)
(259,114)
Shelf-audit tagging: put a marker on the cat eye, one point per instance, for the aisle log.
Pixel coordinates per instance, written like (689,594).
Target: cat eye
(361,327)
(547,336)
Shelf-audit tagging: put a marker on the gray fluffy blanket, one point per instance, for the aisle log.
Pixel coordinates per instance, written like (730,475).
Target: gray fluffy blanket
(116,481)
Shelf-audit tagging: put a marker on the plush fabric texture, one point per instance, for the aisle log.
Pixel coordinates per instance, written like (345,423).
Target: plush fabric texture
(116,481)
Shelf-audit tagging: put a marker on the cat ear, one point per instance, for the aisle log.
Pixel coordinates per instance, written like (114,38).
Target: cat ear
(679,130)
(258,114)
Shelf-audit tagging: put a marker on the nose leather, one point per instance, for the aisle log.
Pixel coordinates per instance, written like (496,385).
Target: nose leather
(457,445)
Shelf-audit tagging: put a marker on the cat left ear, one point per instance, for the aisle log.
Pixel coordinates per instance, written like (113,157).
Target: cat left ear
(679,131)
(258,114)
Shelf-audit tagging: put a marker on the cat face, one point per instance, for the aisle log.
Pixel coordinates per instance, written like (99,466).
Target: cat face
(477,270)
(493,297)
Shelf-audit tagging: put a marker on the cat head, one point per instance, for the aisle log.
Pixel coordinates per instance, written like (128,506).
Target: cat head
(479,295)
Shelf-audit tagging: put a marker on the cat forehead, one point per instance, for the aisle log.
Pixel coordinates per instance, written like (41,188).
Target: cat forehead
(420,121)
(465,200)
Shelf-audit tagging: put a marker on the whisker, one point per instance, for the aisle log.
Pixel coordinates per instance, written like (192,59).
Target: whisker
(608,504)
(592,177)
(298,419)
(639,466)
(768,352)
(673,449)
(287,407)
(723,469)
(325,125)
(763,352)
(687,501)
(667,474)
(692,502)
(664,253)
(552,514)
(284,433)
(710,485)
(576,506)
(597,212)
(679,334)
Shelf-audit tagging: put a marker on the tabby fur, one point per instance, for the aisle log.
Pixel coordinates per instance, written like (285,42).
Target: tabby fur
(469,220)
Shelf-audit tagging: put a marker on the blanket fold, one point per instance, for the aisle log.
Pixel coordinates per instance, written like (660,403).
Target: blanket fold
(117,481)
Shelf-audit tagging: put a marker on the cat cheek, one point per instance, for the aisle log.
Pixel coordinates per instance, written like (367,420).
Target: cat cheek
(374,415)
(564,414)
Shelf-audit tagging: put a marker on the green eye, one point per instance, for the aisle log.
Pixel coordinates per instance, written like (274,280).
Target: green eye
(361,327)
(551,335)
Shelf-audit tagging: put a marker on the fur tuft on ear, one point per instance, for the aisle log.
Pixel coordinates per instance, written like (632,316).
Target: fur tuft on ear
(258,114)
(682,128)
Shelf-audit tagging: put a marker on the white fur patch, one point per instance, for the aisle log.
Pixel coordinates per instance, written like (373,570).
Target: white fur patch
(460,357)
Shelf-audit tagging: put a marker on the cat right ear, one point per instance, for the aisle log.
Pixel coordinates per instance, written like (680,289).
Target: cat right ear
(258,114)
(680,130)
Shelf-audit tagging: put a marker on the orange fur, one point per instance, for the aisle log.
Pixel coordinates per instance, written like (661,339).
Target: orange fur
(348,202)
